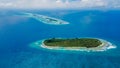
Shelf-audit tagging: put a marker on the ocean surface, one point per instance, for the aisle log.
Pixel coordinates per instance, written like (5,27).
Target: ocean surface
(18,32)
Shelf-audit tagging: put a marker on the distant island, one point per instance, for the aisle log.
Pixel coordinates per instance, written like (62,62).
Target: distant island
(46,19)
(77,44)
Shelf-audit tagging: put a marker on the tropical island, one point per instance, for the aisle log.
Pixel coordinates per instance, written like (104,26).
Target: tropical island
(46,19)
(77,44)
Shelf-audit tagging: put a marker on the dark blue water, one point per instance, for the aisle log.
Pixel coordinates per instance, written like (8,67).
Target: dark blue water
(17,32)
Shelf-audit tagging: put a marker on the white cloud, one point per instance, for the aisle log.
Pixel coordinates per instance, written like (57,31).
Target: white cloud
(59,4)
(6,4)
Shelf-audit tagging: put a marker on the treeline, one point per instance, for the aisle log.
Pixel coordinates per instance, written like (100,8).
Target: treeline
(76,42)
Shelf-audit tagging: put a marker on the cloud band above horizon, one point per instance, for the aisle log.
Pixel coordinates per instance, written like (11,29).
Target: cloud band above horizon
(60,4)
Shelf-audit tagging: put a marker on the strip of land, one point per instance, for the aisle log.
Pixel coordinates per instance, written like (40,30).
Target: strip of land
(47,19)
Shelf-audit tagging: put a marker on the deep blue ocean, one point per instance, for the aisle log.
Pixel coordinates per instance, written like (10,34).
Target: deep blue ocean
(18,32)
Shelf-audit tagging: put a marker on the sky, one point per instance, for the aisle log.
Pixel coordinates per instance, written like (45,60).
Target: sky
(59,4)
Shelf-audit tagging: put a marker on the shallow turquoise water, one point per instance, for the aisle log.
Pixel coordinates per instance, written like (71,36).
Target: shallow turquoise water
(17,32)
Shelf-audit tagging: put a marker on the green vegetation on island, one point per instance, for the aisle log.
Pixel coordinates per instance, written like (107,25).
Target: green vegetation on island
(75,42)
(51,20)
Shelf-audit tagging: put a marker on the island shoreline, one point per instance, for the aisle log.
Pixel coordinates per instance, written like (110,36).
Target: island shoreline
(103,47)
